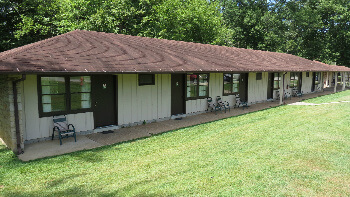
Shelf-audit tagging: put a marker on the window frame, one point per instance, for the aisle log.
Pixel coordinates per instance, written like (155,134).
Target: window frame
(231,82)
(318,76)
(144,84)
(295,74)
(258,76)
(279,80)
(67,97)
(197,95)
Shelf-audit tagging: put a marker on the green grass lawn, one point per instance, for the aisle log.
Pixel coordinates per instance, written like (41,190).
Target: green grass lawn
(340,96)
(283,151)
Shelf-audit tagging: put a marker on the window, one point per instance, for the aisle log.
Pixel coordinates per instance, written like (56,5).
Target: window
(53,94)
(276,81)
(293,80)
(317,78)
(339,78)
(80,90)
(146,79)
(231,83)
(197,86)
(307,74)
(62,95)
(258,76)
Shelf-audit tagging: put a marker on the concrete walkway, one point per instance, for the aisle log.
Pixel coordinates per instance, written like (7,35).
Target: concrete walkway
(52,148)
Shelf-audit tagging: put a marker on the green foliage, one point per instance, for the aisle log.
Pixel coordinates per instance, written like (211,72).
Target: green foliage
(37,21)
(254,25)
(9,18)
(191,21)
(196,21)
(314,29)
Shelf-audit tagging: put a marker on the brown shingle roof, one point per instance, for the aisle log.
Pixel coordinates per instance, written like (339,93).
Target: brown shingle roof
(97,52)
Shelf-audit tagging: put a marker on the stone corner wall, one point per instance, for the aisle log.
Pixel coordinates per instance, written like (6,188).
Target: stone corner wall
(7,117)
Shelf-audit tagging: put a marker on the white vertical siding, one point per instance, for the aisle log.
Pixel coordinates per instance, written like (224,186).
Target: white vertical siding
(31,108)
(320,85)
(138,103)
(216,84)
(197,105)
(257,89)
(287,88)
(36,127)
(330,79)
(326,81)
(307,83)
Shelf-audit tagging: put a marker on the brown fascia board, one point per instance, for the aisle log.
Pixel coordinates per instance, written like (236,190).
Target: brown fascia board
(92,52)
(140,72)
(158,72)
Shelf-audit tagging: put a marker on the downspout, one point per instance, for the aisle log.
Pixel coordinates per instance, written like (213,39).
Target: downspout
(282,88)
(343,80)
(335,81)
(15,103)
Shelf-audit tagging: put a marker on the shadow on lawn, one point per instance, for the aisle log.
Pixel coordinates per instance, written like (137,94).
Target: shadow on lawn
(82,190)
(90,156)
(71,191)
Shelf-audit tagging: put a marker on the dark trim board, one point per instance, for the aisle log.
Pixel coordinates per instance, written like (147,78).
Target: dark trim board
(270,81)
(116,98)
(300,84)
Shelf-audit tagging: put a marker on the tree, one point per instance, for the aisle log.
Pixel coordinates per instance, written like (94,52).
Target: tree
(194,21)
(313,29)
(191,21)
(255,24)
(9,18)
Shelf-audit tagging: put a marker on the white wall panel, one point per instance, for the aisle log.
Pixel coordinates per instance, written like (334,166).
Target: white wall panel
(138,103)
(31,121)
(307,83)
(257,89)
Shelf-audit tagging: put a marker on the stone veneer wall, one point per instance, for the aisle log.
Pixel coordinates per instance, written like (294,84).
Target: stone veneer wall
(7,117)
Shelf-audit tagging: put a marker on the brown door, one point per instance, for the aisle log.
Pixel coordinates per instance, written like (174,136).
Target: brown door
(270,86)
(243,87)
(300,82)
(313,82)
(177,94)
(104,100)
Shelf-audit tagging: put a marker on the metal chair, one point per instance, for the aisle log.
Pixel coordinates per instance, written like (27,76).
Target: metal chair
(300,94)
(64,129)
(287,95)
(212,105)
(238,103)
(223,104)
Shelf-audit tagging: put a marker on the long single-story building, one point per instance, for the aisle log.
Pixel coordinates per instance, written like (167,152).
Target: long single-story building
(104,80)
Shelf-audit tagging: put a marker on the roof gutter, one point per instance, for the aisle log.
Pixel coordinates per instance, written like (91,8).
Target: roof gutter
(15,103)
